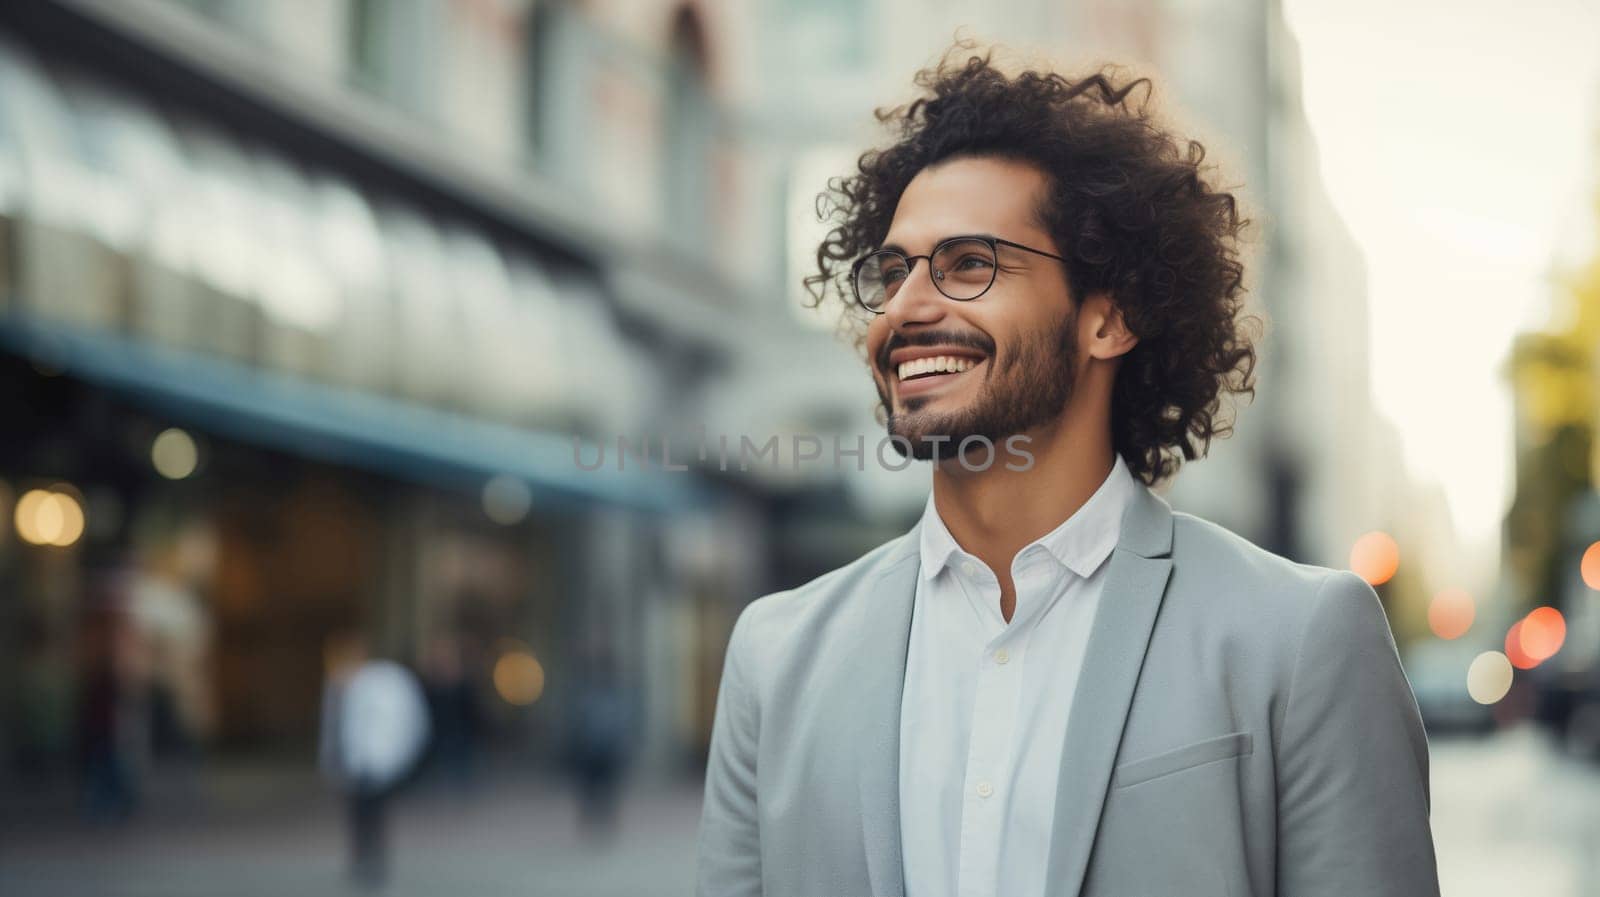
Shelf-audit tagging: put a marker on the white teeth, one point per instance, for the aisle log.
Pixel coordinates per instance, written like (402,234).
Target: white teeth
(936,364)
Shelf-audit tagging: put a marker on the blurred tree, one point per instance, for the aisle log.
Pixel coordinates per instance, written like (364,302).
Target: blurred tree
(1555,379)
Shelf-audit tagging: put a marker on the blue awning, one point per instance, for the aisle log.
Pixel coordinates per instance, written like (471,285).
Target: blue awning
(342,426)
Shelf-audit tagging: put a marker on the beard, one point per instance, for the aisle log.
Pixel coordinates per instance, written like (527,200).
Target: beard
(1025,390)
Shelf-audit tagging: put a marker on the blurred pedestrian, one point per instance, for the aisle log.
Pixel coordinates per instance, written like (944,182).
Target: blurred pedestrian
(374,725)
(453,709)
(599,748)
(175,628)
(113,731)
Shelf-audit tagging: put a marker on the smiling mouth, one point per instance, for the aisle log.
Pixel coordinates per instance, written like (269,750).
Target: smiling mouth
(922,368)
(922,375)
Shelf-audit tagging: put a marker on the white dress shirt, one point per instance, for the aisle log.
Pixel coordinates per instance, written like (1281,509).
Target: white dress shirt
(986,702)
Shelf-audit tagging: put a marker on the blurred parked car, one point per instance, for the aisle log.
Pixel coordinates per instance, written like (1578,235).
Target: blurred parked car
(1438,673)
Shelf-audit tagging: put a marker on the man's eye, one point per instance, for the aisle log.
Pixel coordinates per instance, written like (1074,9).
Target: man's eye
(893,274)
(976,261)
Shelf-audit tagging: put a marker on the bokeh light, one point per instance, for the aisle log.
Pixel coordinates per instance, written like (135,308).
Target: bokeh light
(1544,630)
(507,499)
(1489,677)
(174,454)
(1518,657)
(518,677)
(1450,614)
(1590,566)
(49,517)
(26,513)
(1375,557)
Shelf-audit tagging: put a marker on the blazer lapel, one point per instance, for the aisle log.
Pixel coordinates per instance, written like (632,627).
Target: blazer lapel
(875,684)
(1135,584)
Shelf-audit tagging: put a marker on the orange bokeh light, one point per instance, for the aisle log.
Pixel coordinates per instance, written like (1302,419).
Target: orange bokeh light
(1543,631)
(1450,613)
(1590,566)
(1518,657)
(1375,557)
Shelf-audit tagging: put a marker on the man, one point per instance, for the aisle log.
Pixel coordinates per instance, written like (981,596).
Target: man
(1054,684)
(374,726)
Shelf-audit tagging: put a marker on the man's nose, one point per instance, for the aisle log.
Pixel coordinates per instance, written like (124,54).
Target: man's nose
(917,301)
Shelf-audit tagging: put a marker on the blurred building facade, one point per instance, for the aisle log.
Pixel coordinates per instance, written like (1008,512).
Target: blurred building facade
(1552,528)
(369,266)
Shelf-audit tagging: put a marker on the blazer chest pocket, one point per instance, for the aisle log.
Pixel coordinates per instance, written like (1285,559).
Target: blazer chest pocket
(1222,747)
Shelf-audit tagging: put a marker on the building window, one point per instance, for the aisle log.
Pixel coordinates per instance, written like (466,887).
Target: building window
(689,126)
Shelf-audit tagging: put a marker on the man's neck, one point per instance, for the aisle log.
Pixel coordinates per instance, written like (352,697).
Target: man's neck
(996,512)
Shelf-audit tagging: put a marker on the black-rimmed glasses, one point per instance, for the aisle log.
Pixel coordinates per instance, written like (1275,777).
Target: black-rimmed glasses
(962,268)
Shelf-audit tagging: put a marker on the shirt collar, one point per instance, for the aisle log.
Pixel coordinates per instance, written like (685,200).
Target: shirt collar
(937,543)
(1081,543)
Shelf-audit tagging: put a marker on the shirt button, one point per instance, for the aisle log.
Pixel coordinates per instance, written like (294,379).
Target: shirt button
(985,789)
(968,568)
(1002,655)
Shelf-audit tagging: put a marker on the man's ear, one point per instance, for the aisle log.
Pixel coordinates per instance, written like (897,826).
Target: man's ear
(1106,334)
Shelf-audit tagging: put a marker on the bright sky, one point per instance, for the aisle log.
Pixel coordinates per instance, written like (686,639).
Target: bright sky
(1460,141)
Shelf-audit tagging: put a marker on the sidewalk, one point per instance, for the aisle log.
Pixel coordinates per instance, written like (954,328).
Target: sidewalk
(1511,815)
(508,838)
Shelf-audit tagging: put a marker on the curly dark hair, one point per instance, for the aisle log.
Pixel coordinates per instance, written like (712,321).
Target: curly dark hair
(1132,212)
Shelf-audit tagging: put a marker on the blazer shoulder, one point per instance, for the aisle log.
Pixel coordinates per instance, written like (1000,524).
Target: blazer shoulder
(1196,539)
(823,597)
(1233,573)
(1274,618)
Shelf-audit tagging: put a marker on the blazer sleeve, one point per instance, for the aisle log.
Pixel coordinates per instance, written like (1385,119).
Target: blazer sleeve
(728,862)
(1353,759)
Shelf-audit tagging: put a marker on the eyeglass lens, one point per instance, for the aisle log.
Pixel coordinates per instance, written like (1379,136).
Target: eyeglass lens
(962,270)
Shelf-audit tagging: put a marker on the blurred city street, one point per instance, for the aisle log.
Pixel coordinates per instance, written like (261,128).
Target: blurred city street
(1511,816)
(320,321)
(516,837)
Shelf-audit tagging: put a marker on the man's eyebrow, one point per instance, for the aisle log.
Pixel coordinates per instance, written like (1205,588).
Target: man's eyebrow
(902,250)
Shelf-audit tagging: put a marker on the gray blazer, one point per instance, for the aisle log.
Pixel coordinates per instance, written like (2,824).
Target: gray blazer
(1242,728)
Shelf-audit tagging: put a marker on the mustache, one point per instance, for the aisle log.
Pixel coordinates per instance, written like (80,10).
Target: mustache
(975,341)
